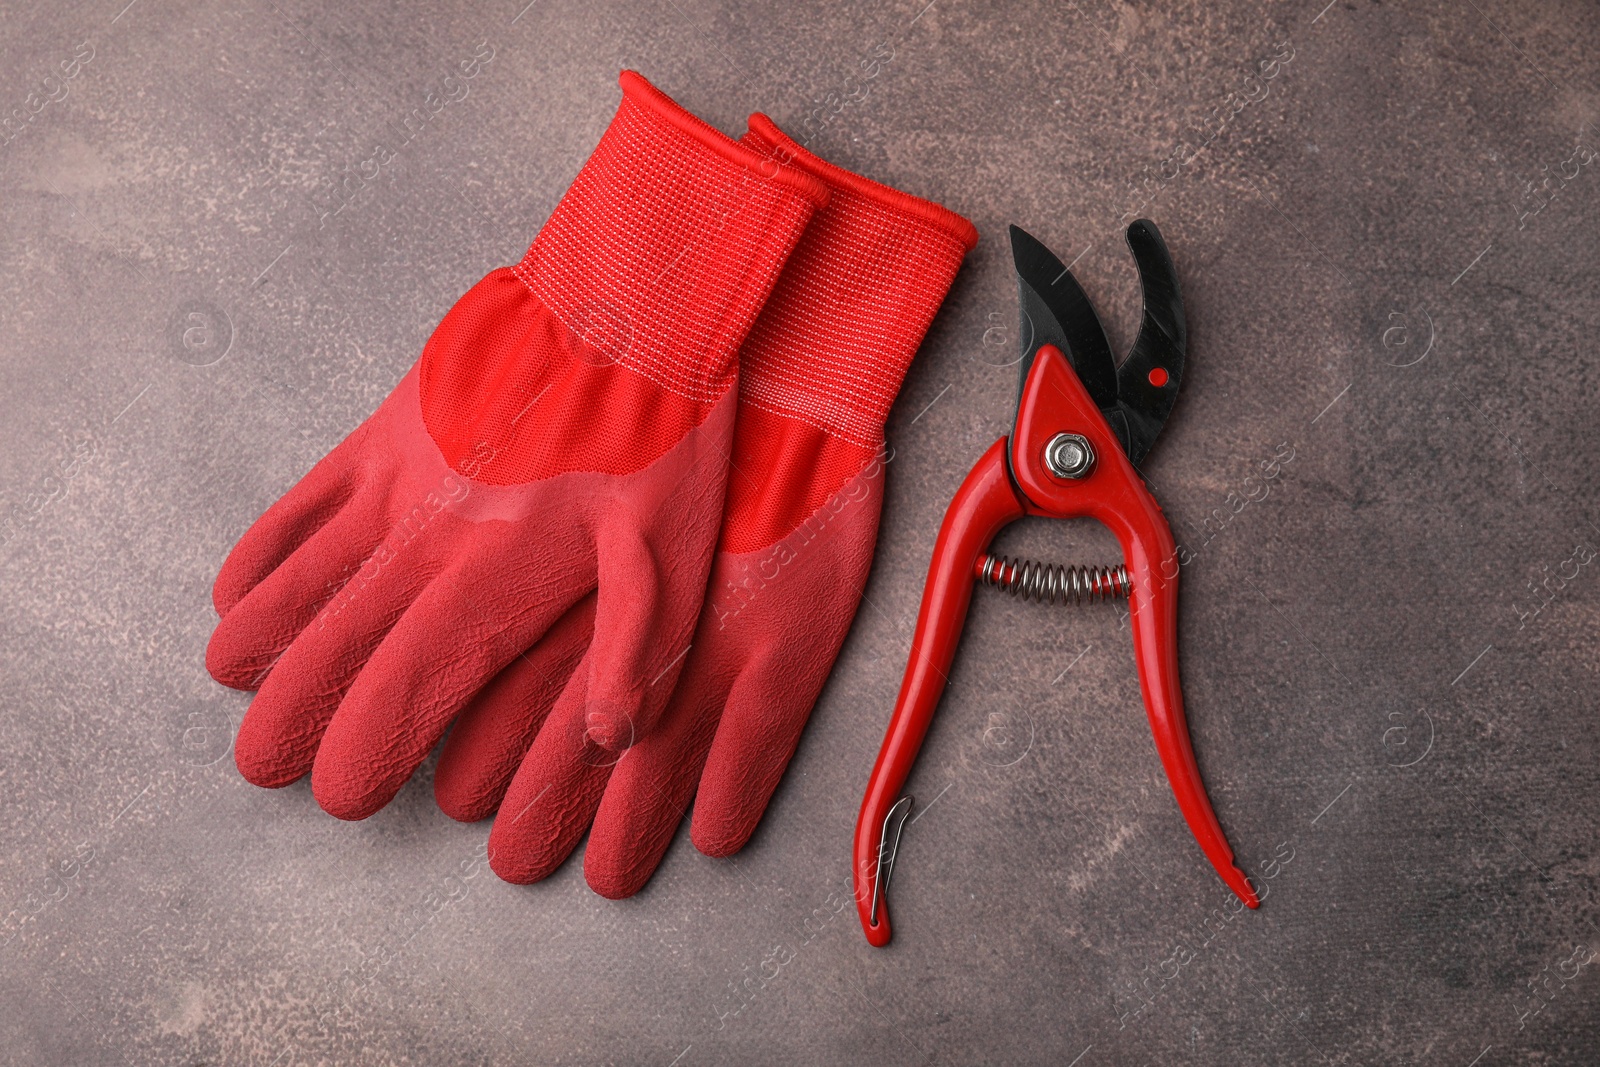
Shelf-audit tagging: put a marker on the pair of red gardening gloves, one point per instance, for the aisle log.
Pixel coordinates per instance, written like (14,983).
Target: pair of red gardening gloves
(615,523)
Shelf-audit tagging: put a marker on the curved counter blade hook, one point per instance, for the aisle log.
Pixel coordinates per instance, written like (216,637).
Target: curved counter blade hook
(1143,401)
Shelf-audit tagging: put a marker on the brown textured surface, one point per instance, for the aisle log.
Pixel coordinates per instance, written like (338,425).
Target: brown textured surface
(1363,694)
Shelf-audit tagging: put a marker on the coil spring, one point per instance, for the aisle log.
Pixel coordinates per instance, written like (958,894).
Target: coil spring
(1049,582)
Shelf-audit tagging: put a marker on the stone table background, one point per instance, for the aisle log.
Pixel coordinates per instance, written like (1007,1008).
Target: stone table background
(1387,249)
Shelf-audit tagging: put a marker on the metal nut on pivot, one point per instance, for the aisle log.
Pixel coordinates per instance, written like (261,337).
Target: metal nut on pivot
(1069,455)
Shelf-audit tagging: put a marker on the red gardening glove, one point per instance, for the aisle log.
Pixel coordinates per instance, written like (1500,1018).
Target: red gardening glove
(566,429)
(818,374)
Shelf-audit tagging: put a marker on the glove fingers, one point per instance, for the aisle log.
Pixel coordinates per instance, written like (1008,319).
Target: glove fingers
(652,787)
(496,729)
(283,726)
(765,713)
(310,504)
(460,632)
(257,629)
(553,797)
(644,622)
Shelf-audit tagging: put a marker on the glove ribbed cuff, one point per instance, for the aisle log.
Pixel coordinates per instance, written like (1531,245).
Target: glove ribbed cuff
(665,247)
(857,296)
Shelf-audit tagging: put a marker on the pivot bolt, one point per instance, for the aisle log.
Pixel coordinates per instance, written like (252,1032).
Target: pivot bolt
(1069,455)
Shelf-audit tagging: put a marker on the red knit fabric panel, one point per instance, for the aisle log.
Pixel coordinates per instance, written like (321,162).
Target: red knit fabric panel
(511,395)
(823,364)
(632,303)
(784,470)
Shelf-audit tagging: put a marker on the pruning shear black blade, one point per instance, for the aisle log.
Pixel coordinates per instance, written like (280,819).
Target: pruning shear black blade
(1056,311)
(1136,397)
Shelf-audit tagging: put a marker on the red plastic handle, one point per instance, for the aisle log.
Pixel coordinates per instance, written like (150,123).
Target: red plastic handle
(982,507)
(1053,401)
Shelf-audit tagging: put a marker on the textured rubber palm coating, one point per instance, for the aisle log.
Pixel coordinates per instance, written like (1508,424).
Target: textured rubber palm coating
(466,577)
(481,756)
(817,376)
(563,440)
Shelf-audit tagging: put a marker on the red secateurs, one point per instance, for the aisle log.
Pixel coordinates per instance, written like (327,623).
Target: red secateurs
(1082,424)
